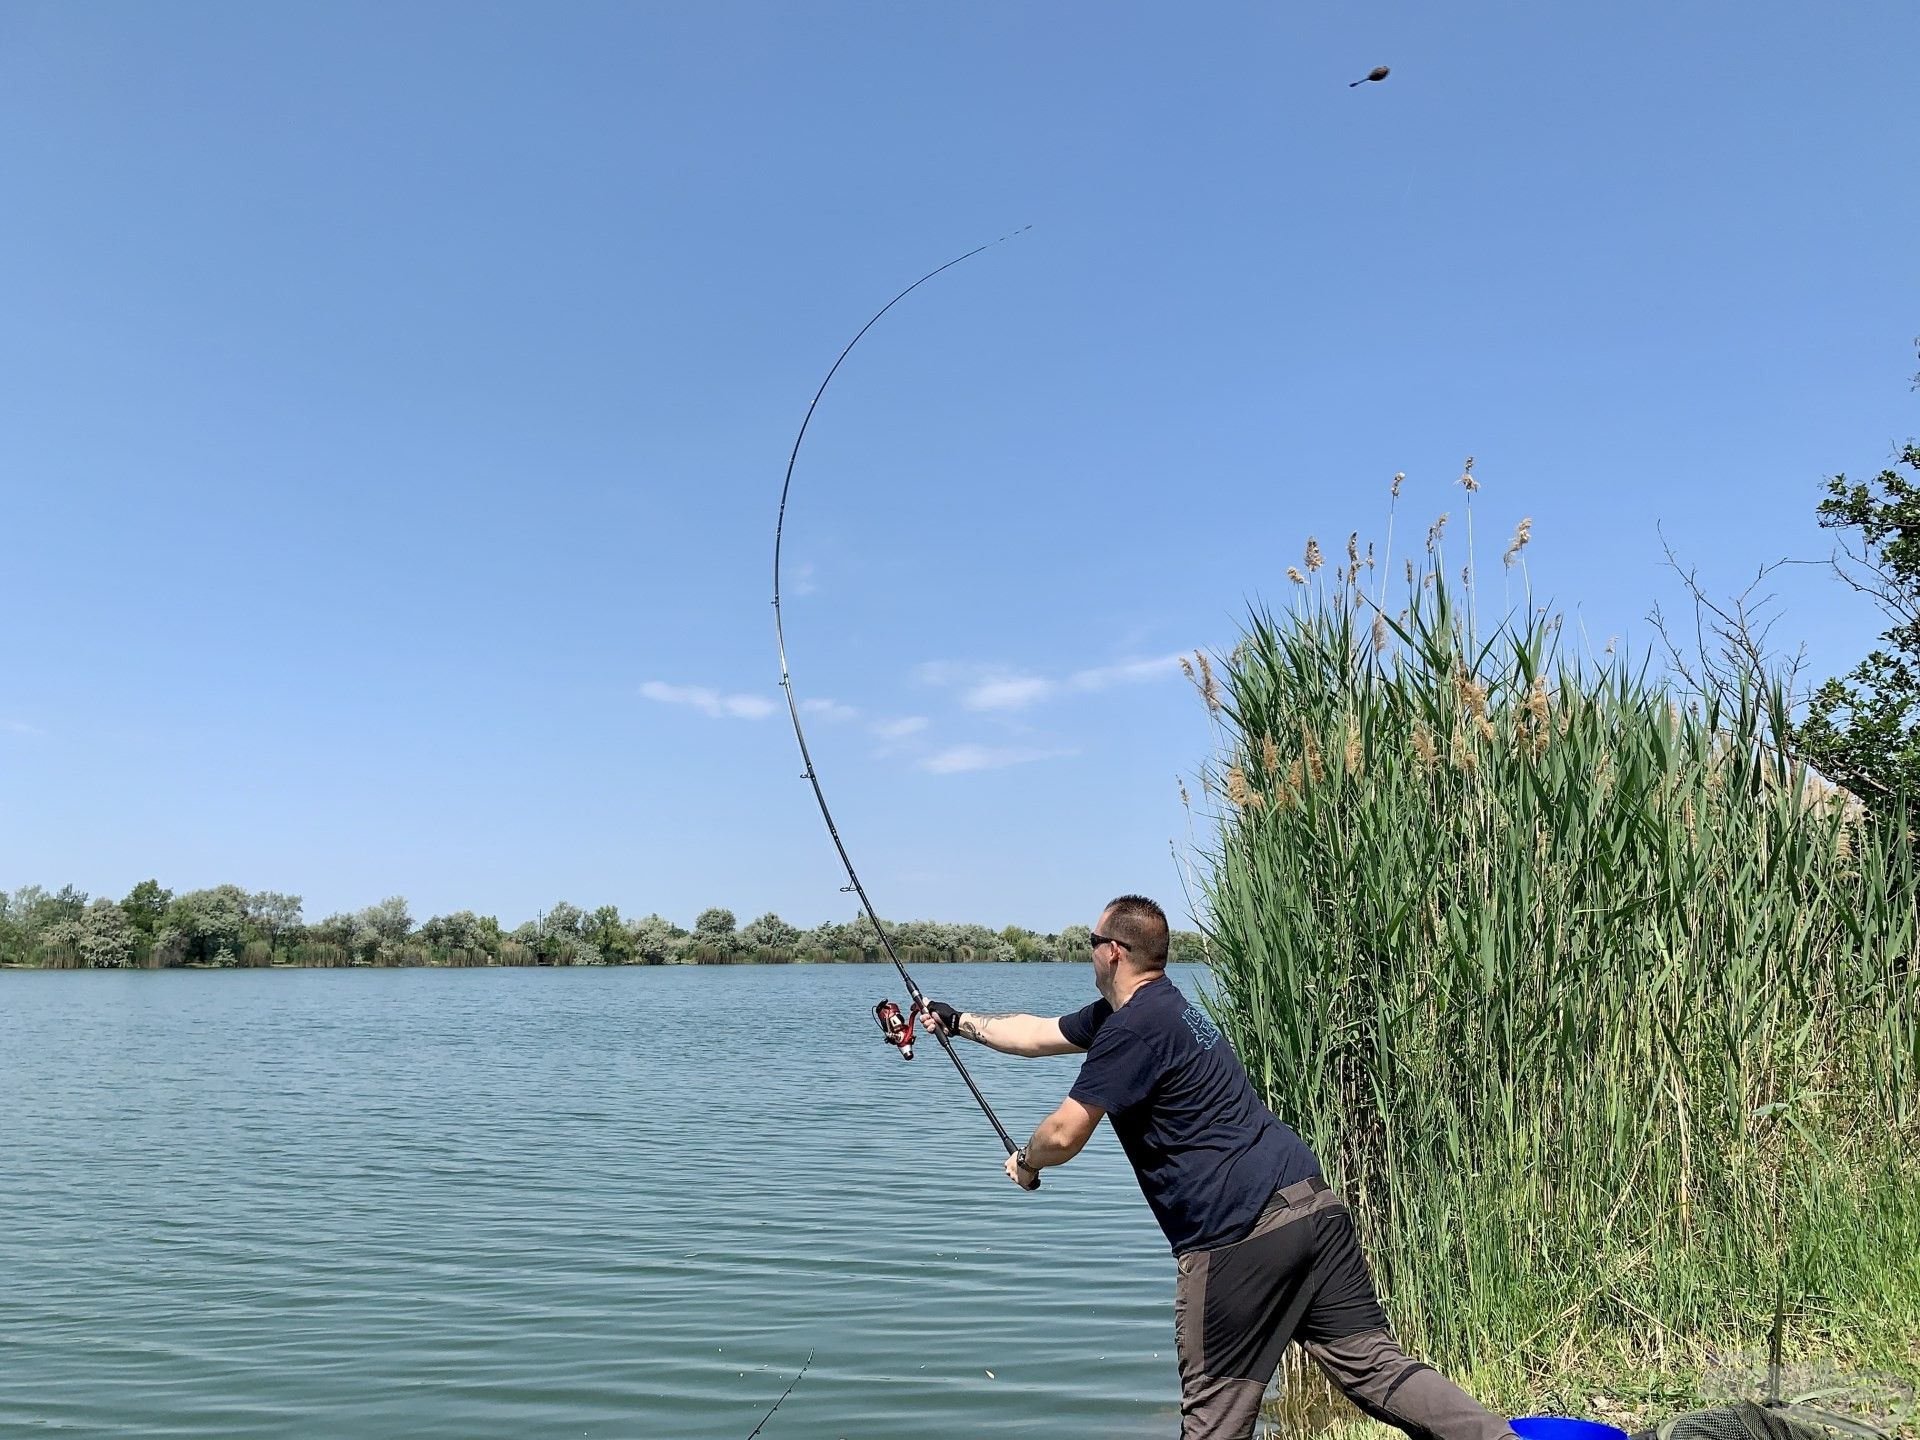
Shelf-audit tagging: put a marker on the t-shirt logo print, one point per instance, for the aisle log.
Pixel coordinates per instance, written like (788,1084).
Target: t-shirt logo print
(1205,1032)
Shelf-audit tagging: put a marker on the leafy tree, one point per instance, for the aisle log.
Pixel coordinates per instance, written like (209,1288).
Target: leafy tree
(272,916)
(977,942)
(770,935)
(608,934)
(1024,945)
(714,924)
(464,931)
(170,946)
(927,940)
(381,931)
(1186,947)
(33,914)
(567,935)
(104,936)
(1862,729)
(657,941)
(146,905)
(336,930)
(563,919)
(843,941)
(715,937)
(206,922)
(554,933)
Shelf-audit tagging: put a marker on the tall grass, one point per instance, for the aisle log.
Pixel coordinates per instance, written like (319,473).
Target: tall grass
(1602,1010)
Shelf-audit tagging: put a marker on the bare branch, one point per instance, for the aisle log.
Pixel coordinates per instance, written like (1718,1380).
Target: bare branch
(1731,637)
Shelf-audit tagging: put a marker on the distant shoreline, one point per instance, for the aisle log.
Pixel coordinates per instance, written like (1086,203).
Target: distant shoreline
(208,966)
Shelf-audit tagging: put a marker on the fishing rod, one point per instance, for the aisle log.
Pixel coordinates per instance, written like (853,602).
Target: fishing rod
(783,1395)
(898,1029)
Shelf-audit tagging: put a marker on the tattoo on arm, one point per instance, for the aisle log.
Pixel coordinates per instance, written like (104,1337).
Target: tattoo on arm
(973,1024)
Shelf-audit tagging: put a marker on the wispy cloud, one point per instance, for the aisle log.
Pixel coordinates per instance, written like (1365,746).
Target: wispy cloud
(829,710)
(898,737)
(1129,672)
(1007,692)
(709,702)
(1001,688)
(20,727)
(962,759)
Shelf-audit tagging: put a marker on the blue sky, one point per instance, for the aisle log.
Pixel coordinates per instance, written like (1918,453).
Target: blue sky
(394,399)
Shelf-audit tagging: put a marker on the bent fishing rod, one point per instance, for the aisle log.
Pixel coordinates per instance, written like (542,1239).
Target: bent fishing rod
(897,1029)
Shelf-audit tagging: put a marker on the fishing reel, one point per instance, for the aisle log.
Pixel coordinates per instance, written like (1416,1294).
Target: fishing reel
(897,1029)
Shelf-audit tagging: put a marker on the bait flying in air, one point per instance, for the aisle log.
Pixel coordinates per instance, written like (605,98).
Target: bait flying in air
(1379,72)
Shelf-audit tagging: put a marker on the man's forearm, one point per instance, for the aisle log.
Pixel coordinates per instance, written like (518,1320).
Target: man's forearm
(1011,1034)
(1052,1144)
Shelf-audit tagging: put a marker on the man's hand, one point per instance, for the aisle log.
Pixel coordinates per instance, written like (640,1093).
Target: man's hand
(1021,1173)
(941,1017)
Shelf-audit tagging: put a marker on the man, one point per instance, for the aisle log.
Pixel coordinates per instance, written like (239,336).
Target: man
(1267,1253)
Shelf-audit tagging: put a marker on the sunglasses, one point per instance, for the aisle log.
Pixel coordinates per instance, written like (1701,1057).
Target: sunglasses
(1096,941)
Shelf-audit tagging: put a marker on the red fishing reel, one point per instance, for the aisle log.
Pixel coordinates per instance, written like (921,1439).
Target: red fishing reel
(897,1028)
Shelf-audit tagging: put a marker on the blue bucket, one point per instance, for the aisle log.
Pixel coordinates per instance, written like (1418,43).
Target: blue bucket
(1559,1427)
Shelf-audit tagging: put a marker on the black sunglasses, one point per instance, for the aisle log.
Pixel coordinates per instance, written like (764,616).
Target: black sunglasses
(1096,941)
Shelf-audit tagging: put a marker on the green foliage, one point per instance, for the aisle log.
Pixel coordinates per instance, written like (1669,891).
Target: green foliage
(462,938)
(657,941)
(380,931)
(608,934)
(715,939)
(35,911)
(1863,729)
(104,936)
(99,937)
(769,937)
(713,925)
(202,925)
(1601,1009)
(145,906)
(271,918)
(228,926)
(566,935)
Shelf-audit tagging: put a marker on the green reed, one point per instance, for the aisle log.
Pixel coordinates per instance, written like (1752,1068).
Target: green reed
(1600,1007)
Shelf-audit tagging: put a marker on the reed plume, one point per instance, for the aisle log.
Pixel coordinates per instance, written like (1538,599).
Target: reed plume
(1522,533)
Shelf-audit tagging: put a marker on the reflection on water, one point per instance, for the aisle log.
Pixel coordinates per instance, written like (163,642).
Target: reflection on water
(558,1202)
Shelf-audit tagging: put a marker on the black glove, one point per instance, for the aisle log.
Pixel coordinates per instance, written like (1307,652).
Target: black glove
(948,1017)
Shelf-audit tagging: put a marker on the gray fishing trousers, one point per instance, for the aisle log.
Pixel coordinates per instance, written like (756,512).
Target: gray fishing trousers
(1299,1275)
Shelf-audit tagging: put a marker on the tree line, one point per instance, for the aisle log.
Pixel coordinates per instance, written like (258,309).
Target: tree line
(226,926)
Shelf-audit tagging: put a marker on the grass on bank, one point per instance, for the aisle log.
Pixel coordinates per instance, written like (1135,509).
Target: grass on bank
(1600,1008)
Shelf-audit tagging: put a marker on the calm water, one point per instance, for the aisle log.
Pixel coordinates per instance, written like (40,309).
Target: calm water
(531,1203)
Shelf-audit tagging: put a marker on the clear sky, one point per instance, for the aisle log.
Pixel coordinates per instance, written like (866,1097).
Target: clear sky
(394,400)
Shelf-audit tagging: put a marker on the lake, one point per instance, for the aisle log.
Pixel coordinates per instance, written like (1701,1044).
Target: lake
(529,1203)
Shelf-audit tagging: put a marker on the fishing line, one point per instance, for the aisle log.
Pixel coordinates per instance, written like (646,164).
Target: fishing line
(916,998)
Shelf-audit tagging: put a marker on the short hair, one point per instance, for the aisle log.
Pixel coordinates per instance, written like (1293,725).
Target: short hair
(1142,925)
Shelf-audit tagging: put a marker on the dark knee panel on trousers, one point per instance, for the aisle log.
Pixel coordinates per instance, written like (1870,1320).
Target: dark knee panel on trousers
(1373,1372)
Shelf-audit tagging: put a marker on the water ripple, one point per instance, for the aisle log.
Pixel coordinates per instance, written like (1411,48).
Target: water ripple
(528,1203)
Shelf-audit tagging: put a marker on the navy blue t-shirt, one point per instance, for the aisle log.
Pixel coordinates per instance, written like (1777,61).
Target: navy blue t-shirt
(1207,1152)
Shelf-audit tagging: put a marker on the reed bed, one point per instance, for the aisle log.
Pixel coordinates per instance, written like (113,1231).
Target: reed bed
(1599,1006)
